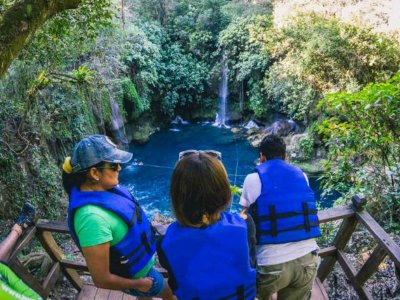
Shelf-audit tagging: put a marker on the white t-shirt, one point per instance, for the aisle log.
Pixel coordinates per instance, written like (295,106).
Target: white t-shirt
(273,254)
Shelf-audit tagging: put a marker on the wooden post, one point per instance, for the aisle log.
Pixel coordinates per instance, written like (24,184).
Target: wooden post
(371,265)
(57,255)
(341,239)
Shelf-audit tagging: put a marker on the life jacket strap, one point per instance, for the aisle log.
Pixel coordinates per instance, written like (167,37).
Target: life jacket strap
(299,227)
(287,214)
(147,245)
(163,258)
(134,218)
(272,213)
(139,215)
(242,292)
(306,213)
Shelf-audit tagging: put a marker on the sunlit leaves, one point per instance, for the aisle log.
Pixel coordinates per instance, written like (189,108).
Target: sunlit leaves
(362,133)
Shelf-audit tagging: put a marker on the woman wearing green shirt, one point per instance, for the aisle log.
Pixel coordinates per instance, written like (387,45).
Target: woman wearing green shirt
(107,223)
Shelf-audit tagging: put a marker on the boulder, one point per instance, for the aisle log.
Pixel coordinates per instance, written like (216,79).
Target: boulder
(282,128)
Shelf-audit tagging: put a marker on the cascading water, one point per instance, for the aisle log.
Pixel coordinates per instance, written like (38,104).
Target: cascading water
(220,119)
(117,125)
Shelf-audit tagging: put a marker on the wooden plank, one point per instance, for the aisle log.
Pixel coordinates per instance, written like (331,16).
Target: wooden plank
(318,291)
(128,297)
(80,266)
(52,278)
(343,235)
(26,277)
(102,294)
(371,265)
(53,226)
(115,295)
(88,292)
(332,214)
(380,235)
(56,254)
(26,239)
(350,272)
(328,251)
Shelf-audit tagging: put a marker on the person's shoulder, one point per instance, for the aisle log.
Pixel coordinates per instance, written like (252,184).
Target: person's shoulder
(252,177)
(92,212)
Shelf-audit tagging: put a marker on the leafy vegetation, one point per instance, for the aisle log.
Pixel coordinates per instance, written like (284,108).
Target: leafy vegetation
(361,130)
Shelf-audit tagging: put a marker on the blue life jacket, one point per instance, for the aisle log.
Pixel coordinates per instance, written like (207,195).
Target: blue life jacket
(135,250)
(209,263)
(286,210)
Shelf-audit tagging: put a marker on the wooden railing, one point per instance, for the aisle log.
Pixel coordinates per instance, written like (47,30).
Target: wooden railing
(351,216)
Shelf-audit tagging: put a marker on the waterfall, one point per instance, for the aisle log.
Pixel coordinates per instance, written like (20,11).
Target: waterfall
(117,125)
(221,117)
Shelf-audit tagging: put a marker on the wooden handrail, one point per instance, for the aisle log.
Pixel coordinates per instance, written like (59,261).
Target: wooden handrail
(351,216)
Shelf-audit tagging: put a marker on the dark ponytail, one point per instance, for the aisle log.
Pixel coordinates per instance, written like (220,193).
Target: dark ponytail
(73,179)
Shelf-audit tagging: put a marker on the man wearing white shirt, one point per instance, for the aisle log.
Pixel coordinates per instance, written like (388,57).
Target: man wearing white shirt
(283,207)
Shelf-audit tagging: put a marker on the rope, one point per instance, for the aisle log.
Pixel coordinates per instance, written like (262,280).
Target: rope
(171,168)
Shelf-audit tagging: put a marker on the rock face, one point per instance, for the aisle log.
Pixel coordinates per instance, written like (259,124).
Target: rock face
(293,149)
(140,133)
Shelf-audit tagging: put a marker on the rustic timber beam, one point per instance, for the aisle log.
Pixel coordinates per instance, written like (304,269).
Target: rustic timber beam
(337,213)
(328,251)
(350,272)
(342,237)
(380,235)
(52,226)
(371,265)
(52,277)
(26,239)
(56,254)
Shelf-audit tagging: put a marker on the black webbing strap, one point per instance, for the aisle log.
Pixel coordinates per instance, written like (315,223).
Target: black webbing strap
(241,292)
(165,263)
(124,259)
(306,213)
(137,259)
(286,215)
(139,214)
(272,213)
(299,227)
(145,242)
(134,217)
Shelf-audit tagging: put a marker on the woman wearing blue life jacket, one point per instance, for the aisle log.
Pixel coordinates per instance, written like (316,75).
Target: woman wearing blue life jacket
(206,251)
(107,223)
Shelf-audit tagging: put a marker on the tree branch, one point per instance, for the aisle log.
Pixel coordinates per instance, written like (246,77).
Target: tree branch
(21,20)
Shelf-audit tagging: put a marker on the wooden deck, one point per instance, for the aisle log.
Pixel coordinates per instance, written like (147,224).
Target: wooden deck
(350,216)
(90,292)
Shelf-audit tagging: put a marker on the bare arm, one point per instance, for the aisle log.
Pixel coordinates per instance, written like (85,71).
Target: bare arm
(97,259)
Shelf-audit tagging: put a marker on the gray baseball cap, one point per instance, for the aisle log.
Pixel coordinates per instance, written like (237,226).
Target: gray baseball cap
(94,149)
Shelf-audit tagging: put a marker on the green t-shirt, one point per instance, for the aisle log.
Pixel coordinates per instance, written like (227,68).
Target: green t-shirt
(95,225)
(13,288)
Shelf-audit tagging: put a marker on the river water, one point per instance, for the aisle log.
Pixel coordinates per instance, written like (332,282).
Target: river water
(148,175)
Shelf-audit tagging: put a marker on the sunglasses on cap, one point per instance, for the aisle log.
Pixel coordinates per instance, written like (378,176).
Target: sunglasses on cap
(213,153)
(112,166)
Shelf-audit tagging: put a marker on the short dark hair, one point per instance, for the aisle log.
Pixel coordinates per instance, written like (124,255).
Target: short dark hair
(199,186)
(272,146)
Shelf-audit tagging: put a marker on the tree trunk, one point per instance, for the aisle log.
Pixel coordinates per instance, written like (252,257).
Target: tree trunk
(19,22)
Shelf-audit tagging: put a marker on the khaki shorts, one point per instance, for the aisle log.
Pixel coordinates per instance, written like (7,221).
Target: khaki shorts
(292,280)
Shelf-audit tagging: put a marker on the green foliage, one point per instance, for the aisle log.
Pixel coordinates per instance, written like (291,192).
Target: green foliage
(313,55)
(306,146)
(361,131)
(187,83)
(137,106)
